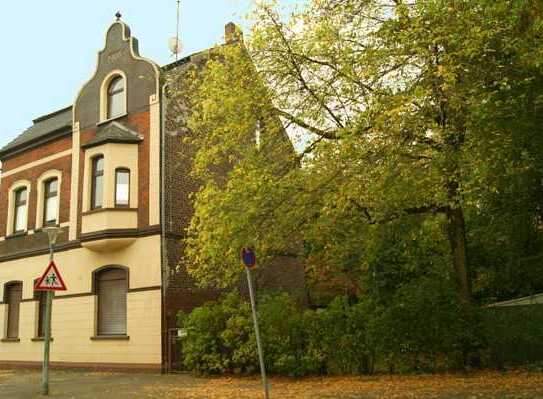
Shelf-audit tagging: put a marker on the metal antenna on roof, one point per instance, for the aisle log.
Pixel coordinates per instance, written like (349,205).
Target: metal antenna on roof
(174,42)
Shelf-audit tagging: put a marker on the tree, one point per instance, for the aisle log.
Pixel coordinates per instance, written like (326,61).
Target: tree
(392,104)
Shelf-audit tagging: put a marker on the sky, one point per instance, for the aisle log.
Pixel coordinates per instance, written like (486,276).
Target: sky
(49,48)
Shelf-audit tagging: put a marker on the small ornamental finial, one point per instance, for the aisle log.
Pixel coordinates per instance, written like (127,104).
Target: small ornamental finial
(118,15)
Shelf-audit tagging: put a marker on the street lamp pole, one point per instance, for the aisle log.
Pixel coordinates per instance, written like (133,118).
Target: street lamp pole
(52,233)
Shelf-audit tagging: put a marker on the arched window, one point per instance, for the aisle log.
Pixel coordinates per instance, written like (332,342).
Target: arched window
(50,202)
(97,183)
(122,187)
(111,287)
(20,214)
(13,296)
(116,98)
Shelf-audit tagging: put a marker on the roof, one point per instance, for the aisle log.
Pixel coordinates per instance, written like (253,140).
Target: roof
(113,132)
(44,127)
(536,299)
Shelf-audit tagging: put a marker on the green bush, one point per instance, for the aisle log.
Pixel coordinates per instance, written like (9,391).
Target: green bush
(337,339)
(420,329)
(514,335)
(296,342)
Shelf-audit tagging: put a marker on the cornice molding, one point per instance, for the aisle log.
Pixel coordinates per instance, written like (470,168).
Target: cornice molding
(99,235)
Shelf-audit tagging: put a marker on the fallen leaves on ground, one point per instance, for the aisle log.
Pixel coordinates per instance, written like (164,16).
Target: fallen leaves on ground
(6,373)
(488,385)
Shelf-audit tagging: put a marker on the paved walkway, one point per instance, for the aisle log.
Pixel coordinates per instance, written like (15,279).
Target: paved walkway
(24,384)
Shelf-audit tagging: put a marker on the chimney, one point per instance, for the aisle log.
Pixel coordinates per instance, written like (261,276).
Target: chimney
(232,33)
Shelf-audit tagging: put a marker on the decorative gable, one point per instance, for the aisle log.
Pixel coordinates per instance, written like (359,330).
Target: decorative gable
(120,55)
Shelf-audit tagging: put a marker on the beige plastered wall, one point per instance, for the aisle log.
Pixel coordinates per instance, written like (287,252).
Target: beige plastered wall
(73,319)
(154,160)
(127,219)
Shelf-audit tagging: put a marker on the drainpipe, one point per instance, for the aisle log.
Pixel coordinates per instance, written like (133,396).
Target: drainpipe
(164,246)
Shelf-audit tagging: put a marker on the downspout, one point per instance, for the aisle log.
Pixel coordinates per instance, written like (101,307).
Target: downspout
(164,246)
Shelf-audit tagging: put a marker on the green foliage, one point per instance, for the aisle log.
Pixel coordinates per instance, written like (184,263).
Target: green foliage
(218,337)
(421,114)
(340,337)
(417,174)
(514,334)
(420,330)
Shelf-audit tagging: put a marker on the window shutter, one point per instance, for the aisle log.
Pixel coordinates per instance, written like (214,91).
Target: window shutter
(14,296)
(112,291)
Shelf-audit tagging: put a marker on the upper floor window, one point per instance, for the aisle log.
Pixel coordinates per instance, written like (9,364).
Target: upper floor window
(122,187)
(50,202)
(20,214)
(116,98)
(97,188)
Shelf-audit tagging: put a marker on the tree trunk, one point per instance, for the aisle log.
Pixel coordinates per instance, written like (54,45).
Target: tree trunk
(456,229)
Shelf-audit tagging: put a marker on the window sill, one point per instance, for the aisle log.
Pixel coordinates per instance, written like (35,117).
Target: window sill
(10,340)
(116,209)
(111,119)
(40,229)
(39,339)
(110,338)
(15,235)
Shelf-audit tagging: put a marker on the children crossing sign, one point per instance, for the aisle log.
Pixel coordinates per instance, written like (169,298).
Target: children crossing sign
(51,280)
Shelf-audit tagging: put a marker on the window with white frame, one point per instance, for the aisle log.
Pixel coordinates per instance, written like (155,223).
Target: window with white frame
(116,98)
(97,182)
(50,202)
(20,210)
(122,187)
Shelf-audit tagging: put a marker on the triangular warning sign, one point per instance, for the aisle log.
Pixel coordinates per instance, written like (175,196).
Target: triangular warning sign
(51,280)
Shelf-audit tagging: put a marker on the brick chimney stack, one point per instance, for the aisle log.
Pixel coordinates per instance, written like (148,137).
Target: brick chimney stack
(232,33)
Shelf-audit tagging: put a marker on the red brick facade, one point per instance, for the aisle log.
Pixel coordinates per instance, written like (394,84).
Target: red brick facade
(34,154)
(32,174)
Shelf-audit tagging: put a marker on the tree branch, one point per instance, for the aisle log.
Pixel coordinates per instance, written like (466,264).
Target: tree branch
(298,71)
(319,132)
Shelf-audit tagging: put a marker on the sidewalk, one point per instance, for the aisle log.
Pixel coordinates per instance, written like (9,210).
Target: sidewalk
(24,384)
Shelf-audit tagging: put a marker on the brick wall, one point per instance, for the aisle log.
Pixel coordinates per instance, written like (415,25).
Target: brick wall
(182,293)
(43,151)
(32,174)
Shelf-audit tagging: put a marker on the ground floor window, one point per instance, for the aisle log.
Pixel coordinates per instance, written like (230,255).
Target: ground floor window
(111,289)
(14,293)
(41,297)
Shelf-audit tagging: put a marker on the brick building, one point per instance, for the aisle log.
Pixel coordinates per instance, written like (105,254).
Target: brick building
(95,169)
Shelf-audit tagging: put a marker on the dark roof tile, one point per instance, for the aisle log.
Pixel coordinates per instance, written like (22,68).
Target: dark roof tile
(42,127)
(113,132)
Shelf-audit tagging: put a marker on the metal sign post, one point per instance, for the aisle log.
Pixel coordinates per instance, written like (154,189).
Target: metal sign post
(47,340)
(50,281)
(249,260)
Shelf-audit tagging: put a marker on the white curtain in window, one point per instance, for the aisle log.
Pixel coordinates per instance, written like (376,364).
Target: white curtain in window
(51,206)
(20,218)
